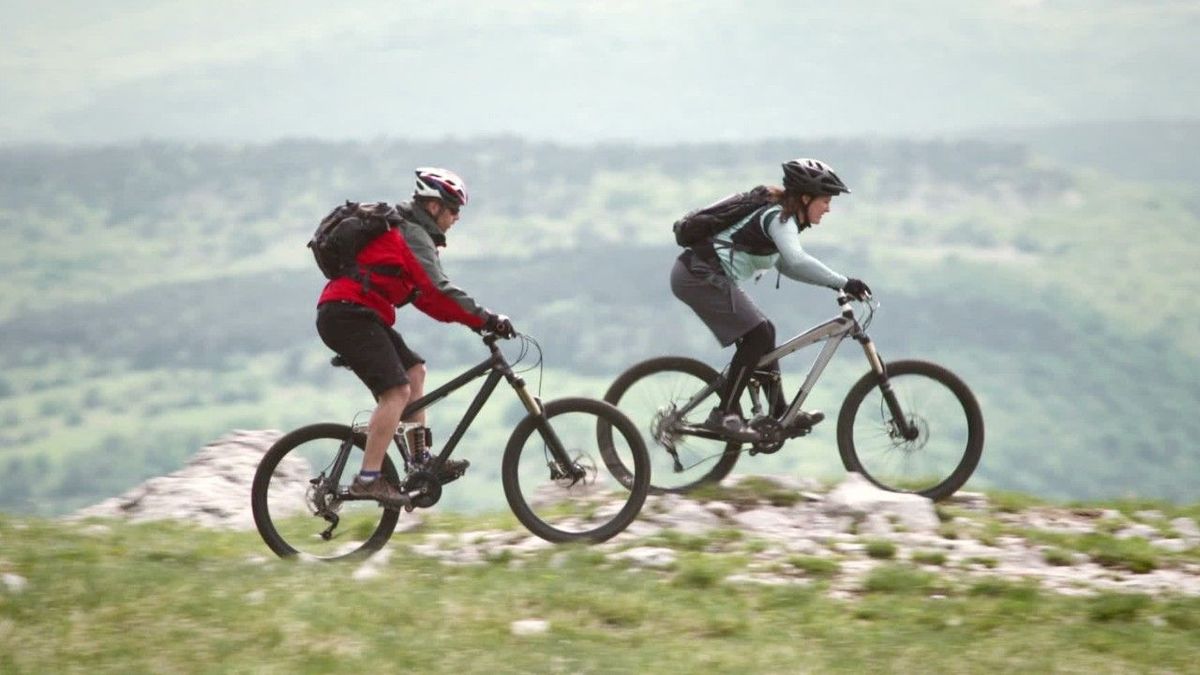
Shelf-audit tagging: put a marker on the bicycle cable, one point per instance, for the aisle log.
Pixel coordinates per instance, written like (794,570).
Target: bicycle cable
(526,341)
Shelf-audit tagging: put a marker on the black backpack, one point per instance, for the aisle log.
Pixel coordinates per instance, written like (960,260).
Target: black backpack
(345,232)
(705,223)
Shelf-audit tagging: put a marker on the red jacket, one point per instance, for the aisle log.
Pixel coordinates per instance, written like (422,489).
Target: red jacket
(385,291)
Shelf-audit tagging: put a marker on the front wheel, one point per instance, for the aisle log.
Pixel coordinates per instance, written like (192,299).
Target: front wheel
(944,425)
(298,506)
(581,499)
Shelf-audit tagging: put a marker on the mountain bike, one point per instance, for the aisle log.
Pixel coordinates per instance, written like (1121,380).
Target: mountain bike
(906,426)
(552,480)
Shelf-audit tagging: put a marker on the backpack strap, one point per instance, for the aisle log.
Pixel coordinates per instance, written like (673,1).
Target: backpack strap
(362,274)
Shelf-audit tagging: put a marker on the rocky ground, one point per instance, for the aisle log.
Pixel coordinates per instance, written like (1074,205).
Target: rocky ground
(780,531)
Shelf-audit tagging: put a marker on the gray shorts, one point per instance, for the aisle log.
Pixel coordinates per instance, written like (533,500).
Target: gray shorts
(724,307)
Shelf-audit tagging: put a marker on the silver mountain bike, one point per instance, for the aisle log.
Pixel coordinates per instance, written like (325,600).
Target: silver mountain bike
(906,426)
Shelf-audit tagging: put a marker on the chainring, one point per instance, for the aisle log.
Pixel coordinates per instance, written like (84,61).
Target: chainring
(771,436)
(427,487)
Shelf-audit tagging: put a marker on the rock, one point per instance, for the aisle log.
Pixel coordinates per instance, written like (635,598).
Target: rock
(875,525)
(15,583)
(1187,528)
(1148,532)
(782,482)
(723,510)
(527,627)
(973,501)
(768,522)
(648,556)
(213,490)
(1171,545)
(687,517)
(765,580)
(857,497)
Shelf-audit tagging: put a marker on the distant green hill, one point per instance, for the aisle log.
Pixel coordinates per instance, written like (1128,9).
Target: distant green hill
(157,295)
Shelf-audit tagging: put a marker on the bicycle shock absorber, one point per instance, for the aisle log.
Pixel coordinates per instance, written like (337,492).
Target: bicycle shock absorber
(906,430)
(531,402)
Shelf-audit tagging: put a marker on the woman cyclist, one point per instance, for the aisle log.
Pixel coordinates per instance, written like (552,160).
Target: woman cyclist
(706,278)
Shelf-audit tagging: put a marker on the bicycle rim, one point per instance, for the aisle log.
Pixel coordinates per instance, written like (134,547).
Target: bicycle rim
(948,435)
(592,506)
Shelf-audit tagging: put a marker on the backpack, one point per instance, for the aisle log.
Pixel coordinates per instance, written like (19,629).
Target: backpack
(707,222)
(345,232)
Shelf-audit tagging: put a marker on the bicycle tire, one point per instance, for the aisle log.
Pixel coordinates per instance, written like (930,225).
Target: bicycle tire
(662,462)
(522,500)
(913,376)
(318,439)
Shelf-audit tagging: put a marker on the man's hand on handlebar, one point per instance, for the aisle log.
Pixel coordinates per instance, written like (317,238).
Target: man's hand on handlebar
(857,289)
(500,325)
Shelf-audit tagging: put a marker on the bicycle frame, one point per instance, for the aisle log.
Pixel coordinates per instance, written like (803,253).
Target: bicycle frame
(494,367)
(833,332)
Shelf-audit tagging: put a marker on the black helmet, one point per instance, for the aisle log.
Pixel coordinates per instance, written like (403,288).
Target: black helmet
(811,177)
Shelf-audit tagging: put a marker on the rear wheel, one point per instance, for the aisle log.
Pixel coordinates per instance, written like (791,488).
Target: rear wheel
(299,510)
(652,393)
(946,430)
(585,500)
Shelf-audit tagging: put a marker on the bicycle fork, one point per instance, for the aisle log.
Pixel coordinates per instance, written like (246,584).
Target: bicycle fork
(562,466)
(899,419)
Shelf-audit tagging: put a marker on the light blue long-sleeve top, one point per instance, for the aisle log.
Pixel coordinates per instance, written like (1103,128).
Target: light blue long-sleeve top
(791,260)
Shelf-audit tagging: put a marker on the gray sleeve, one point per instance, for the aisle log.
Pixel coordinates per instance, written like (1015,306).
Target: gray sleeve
(426,254)
(794,263)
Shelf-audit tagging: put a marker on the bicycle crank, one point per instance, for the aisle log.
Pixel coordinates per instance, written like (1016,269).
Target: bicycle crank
(770,434)
(423,489)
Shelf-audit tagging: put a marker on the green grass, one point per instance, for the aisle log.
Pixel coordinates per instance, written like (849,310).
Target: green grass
(748,492)
(172,598)
(881,549)
(815,566)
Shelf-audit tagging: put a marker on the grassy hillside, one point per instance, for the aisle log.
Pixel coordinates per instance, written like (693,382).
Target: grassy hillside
(157,295)
(114,597)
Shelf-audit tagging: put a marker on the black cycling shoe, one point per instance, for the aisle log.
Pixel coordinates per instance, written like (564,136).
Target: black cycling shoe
(806,420)
(729,425)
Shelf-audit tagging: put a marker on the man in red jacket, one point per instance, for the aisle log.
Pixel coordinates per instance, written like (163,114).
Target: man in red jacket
(355,317)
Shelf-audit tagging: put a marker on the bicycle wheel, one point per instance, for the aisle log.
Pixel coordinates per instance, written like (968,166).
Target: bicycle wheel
(942,410)
(593,505)
(651,393)
(292,495)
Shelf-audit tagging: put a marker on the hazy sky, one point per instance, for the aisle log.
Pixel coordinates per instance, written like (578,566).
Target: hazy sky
(586,71)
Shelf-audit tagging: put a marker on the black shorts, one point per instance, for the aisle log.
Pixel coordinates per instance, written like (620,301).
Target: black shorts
(375,352)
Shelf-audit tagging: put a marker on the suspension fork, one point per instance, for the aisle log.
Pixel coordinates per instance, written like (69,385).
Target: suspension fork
(533,406)
(885,387)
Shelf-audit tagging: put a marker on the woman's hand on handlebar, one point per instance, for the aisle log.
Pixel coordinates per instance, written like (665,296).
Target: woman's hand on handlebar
(857,289)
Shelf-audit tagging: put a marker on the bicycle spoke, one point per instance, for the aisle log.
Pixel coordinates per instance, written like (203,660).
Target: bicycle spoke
(299,509)
(592,497)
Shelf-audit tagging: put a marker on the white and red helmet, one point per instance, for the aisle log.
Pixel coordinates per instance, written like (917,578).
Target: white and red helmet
(441,184)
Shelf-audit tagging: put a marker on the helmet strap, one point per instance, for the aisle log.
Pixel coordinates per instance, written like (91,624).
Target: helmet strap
(805,202)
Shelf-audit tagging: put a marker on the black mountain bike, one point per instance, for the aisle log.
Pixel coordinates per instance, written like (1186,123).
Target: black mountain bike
(554,485)
(906,426)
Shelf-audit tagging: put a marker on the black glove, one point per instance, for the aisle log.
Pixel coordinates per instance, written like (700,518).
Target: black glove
(856,289)
(500,325)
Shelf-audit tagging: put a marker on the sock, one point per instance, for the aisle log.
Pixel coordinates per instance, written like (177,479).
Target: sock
(368,476)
